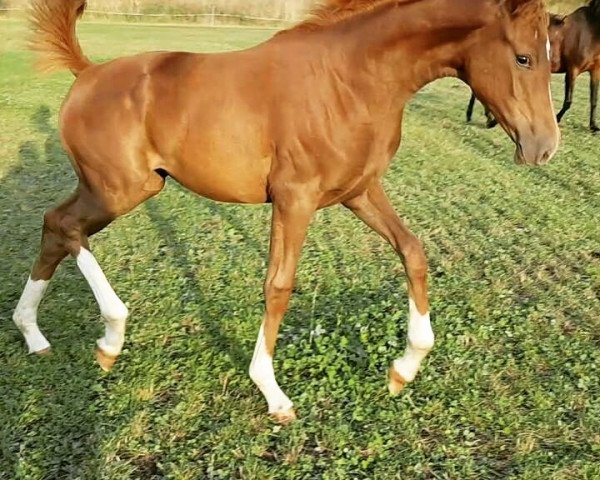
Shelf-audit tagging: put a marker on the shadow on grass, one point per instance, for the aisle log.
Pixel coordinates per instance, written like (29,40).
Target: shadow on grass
(48,428)
(193,285)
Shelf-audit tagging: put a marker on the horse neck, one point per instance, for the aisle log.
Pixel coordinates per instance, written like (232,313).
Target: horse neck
(404,46)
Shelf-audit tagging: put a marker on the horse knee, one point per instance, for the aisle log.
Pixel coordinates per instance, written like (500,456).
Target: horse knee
(414,258)
(277,294)
(280,284)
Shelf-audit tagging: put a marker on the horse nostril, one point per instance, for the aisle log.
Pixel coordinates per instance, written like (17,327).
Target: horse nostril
(544,158)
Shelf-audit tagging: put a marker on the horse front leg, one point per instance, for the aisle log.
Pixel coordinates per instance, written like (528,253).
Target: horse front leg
(594,81)
(471,107)
(291,217)
(374,208)
(491,120)
(570,78)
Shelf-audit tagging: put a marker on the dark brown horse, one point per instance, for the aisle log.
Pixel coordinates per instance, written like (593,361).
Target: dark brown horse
(578,51)
(309,119)
(575,49)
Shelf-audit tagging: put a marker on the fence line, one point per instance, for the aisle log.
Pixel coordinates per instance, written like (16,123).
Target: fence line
(191,15)
(211,15)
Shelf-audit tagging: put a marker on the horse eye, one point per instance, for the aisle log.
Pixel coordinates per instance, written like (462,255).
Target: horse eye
(523,61)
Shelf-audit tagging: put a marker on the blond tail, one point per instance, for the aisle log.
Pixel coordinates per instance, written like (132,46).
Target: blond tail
(54,37)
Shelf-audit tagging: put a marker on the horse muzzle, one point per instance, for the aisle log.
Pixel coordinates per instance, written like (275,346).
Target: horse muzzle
(536,150)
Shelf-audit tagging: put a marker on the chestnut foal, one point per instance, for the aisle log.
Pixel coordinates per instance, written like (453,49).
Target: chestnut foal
(309,119)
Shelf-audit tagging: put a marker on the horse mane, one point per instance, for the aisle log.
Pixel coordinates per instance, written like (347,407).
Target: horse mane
(334,11)
(329,12)
(594,10)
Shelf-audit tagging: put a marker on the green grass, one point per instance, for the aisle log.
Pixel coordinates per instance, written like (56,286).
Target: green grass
(510,391)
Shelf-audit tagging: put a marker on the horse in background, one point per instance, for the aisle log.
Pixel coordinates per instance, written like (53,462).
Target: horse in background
(575,49)
(577,52)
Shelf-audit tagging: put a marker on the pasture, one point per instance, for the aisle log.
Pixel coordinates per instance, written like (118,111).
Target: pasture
(511,389)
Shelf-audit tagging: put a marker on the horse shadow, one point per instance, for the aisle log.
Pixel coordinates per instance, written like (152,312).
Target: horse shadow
(42,413)
(180,259)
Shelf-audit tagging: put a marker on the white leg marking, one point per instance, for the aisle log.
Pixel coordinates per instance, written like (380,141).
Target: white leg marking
(113,310)
(25,316)
(263,375)
(419,343)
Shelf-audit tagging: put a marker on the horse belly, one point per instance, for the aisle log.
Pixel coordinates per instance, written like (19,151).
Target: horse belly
(230,178)
(215,151)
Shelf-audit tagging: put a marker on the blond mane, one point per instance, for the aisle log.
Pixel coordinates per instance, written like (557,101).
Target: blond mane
(334,11)
(329,12)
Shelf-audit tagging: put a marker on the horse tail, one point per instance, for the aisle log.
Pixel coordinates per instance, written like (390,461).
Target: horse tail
(54,38)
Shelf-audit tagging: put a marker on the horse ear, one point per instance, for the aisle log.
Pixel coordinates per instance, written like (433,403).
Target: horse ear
(556,20)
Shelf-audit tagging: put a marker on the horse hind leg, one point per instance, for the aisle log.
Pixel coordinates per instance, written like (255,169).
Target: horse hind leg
(66,231)
(374,209)
(52,252)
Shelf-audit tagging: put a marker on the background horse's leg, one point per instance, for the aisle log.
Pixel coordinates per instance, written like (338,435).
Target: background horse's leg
(288,231)
(570,78)
(374,208)
(594,81)
(471,107)
(491,120)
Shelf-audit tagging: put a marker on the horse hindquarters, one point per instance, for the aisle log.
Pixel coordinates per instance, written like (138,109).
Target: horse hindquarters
(113,179)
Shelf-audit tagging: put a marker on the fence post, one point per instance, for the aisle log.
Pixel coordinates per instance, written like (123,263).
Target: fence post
(212,15)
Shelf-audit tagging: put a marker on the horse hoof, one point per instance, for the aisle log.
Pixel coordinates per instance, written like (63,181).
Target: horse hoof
(105,361)
(44,352)
(396,383)
(285,417)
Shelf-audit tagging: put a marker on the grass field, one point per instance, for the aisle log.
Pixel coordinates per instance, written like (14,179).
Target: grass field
(511,390)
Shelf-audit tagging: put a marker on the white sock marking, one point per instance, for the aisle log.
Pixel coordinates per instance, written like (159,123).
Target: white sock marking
(263,375)
(25,316)
(113,310)
(419,342)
